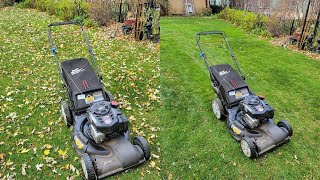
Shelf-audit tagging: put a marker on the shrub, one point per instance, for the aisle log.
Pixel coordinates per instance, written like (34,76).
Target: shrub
(246,20)
(27,4)
(207,12)
(4,3)
(101,11)
(67,9)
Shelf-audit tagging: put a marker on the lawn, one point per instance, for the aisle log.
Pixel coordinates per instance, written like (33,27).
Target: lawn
(34,142)
(195,144)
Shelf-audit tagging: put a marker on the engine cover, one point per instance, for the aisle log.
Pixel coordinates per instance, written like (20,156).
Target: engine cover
(107,119)
(256,108)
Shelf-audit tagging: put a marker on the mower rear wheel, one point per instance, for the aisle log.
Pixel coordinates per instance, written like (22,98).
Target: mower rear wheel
(66,113)
(87,167)
(217,108)
(285,124)
(248,147)
(144,145)
(109,96)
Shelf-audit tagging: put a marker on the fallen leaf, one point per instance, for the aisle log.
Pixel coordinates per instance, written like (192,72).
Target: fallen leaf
(132,118)
(152,164)
(62,153)
(2,156)
(170,176)
(23,169)
(39,167)
(46,152)
(24,150)
(48,146)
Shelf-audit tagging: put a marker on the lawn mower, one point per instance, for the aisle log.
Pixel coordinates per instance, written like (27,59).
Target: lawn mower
(249,116)
(100,131)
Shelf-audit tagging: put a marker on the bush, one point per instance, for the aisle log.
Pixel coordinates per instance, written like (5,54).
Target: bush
(66,10)
(101,11)
(246,20)
(4,3)
(27,4)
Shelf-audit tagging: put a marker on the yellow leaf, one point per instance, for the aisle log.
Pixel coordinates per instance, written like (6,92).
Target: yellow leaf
(46,152)
(62,153)
(24,150)
(152,164)
(1,156)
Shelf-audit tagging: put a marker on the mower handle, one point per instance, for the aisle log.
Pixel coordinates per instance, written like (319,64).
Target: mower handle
(202,54)
(53,48)
(65,23)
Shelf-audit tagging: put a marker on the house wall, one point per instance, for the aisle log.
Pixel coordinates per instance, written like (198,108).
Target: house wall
(177,7)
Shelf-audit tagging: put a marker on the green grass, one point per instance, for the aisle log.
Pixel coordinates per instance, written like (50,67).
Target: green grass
(31,92)
(195,145)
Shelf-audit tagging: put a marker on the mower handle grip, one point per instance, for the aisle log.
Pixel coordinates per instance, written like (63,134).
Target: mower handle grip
(65,23)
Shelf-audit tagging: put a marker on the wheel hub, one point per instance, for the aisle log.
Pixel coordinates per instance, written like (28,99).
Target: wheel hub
(64,116)
(216,109)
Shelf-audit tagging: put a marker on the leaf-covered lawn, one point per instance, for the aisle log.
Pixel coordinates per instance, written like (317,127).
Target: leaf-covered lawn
(34,142)
(198,146)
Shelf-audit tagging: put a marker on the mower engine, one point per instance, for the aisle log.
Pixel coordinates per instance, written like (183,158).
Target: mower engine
(106,120)
(255,110)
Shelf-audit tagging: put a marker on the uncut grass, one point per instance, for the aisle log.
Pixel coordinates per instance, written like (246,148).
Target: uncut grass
(196,144)
(31,88)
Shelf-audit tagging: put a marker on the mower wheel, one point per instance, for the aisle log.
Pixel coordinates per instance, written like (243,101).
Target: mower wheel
(285,124)
(217,108)
(109,96)
(248,147)
(87,167)
(66,113)
(144,145)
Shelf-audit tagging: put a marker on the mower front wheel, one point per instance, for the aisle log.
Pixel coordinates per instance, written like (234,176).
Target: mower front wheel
(144,145)
(248,147)
(217,108)
(286,125)
(66,113)
(87,167)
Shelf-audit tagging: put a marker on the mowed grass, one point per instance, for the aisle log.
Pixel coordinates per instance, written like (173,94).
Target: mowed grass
(198,146)
(34,142)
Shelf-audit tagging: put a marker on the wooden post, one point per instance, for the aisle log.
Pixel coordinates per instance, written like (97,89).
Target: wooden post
(316,25)
(120,11)
(301,39)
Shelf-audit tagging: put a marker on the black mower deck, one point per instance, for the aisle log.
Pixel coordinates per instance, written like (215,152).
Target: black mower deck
(229,83)
(80,78)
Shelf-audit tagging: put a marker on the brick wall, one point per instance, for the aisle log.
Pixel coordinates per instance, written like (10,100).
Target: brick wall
(177,7)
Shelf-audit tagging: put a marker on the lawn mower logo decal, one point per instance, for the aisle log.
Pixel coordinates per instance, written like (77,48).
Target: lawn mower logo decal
(223,72)
(235,129)
(77,71)
(107,119)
